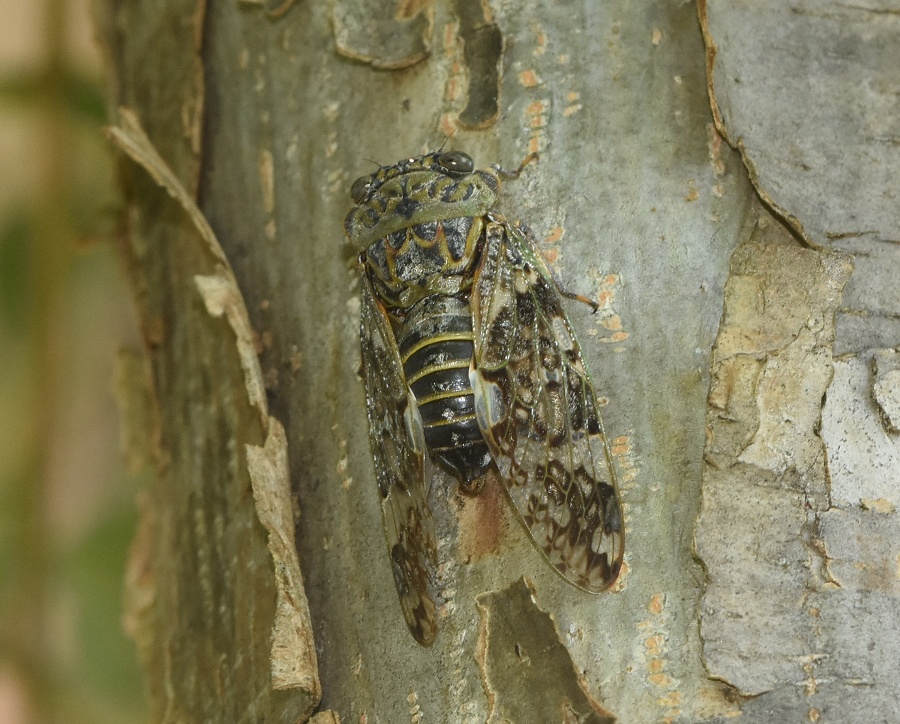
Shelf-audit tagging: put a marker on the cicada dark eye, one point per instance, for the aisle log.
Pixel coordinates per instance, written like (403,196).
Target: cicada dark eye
(457,162)
(360,189)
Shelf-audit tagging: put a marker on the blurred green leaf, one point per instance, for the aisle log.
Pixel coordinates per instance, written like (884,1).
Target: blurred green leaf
(83,95)
(95,570)
(12,487)
(15,238)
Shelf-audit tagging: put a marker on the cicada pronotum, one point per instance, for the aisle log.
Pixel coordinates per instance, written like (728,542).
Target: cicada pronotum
(468,355)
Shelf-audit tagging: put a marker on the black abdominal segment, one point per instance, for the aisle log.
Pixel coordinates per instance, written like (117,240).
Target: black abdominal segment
(436,347)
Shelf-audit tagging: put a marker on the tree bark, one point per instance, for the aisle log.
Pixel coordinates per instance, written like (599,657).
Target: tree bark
(731,419)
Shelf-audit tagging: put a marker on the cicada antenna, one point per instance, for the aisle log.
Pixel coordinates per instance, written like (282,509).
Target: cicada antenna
(513,175)
(447,140)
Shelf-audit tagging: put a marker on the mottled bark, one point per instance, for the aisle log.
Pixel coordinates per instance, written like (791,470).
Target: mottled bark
(732,391)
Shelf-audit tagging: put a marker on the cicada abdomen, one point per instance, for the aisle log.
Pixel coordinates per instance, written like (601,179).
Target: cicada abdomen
(436,346)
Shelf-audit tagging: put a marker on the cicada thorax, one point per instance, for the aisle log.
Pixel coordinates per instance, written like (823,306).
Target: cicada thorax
(433,257)
(436,347)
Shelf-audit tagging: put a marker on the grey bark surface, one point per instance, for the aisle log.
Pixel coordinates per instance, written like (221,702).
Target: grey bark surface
(714,349)
(799,529)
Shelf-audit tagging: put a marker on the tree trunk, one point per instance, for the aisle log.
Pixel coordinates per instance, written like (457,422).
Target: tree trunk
(755,440)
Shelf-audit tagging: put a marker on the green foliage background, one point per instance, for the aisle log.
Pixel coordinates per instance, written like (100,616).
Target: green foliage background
(67,503)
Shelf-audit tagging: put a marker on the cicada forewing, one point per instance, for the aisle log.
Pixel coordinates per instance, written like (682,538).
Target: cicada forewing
(398,449)
(537,409)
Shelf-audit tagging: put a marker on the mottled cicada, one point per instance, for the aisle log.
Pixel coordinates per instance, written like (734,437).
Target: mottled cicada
(468,354)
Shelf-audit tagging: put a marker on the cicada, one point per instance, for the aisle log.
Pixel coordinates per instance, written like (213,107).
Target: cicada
(468,356)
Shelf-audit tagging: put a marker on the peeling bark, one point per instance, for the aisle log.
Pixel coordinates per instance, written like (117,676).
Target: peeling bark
(199,560)
(765,484)
(526,671)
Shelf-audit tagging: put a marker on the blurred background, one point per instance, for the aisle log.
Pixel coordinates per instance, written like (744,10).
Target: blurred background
(67,502)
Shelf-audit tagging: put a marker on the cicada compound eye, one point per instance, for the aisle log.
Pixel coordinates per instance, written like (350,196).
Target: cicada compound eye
(360,189)
(457,162)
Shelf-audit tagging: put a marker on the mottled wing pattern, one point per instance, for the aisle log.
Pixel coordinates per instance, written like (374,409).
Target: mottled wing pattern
(395,432)
(537,409)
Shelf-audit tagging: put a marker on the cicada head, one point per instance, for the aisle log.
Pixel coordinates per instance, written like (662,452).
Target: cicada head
(433,187)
